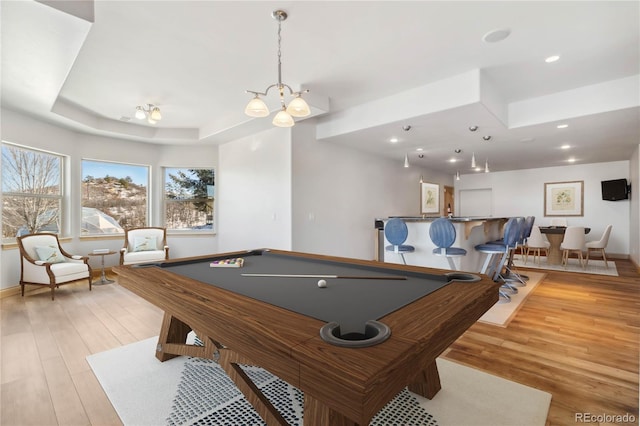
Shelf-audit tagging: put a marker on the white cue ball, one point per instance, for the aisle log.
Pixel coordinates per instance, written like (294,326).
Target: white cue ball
(322,283)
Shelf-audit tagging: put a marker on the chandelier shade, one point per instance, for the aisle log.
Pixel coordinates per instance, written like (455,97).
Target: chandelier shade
(298,107)
(256,108)
(283,119)
(148,111)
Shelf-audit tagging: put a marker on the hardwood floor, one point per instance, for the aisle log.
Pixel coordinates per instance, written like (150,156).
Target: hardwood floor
(576,337)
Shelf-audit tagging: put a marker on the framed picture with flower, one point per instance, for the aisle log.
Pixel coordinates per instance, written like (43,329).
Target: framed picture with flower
(564,198)
(429,198)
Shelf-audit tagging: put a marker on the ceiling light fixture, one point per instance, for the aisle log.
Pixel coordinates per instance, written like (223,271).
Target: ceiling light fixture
(562,126)
(487,138)
(495,36)
(296,108)
(148,111)
(551,59)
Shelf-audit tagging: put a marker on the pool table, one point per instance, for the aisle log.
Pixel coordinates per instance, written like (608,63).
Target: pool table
(350,346)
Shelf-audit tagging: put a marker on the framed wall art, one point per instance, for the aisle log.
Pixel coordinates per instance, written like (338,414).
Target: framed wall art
(564,198)
(429,198)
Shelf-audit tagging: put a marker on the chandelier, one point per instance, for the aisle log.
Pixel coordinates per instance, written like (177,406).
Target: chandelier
(296,108)
(150,112)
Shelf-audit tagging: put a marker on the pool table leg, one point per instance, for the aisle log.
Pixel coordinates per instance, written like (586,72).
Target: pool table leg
(427,383)
(229,361)
(317,413)
(172,341)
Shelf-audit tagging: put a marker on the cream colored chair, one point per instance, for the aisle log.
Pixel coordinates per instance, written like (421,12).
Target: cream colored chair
(600,245)
(573,241)
(535,244)
(44,262)
(143,245)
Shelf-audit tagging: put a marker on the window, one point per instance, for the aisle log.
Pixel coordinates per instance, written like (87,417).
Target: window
(31,191)
(114,197)
(188,199)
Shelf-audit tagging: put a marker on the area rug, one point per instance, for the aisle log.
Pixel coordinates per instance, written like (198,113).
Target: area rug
(594,267)
(502,313)
(194,391)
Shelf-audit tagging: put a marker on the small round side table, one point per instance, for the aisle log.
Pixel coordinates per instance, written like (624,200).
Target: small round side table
(103,277)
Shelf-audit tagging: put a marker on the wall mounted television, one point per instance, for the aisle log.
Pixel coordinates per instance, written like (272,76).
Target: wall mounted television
(615,190)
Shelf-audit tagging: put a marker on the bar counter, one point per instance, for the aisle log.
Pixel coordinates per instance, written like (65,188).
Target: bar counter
(470,231)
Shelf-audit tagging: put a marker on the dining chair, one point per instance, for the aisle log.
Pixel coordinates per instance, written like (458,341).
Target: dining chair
(599,245)
(573,241)
(536,243)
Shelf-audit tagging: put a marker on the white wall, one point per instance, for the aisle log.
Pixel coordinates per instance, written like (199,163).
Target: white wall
(339,191)
(254,192)
(23,130)
(521,193)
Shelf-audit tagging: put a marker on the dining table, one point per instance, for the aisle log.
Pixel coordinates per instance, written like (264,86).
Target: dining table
(555,235)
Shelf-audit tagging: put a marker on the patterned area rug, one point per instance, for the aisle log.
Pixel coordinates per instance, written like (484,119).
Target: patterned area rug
(194,391)
(195,404)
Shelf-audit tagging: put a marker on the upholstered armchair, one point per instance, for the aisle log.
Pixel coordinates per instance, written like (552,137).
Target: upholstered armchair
(141,245)
(44,262)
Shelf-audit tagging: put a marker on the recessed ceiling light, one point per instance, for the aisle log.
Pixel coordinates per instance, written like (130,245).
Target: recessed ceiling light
(486,138)
(393,140)
(565,146)
(495,36)
(452,160)
(571,160)
(551,59)
(562,126)
(419,149)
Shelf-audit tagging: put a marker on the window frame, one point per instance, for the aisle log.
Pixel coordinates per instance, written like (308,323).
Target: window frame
(166,201)
(62,197)
(149,196)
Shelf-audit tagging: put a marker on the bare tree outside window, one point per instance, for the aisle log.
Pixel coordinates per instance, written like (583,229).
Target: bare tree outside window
(31,191)
(189,198)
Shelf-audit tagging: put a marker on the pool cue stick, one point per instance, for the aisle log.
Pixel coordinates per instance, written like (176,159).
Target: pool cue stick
(359,277)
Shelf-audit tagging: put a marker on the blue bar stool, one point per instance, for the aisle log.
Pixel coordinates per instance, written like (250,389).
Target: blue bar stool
(498,255)
(396,233)
(443,235)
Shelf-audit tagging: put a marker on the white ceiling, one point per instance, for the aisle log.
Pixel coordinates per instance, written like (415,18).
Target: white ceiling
(372,68)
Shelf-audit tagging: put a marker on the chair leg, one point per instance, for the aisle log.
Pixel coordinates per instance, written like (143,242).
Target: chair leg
(403,261)
(90,282)
(452,264)
(53,286)
(604,257)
